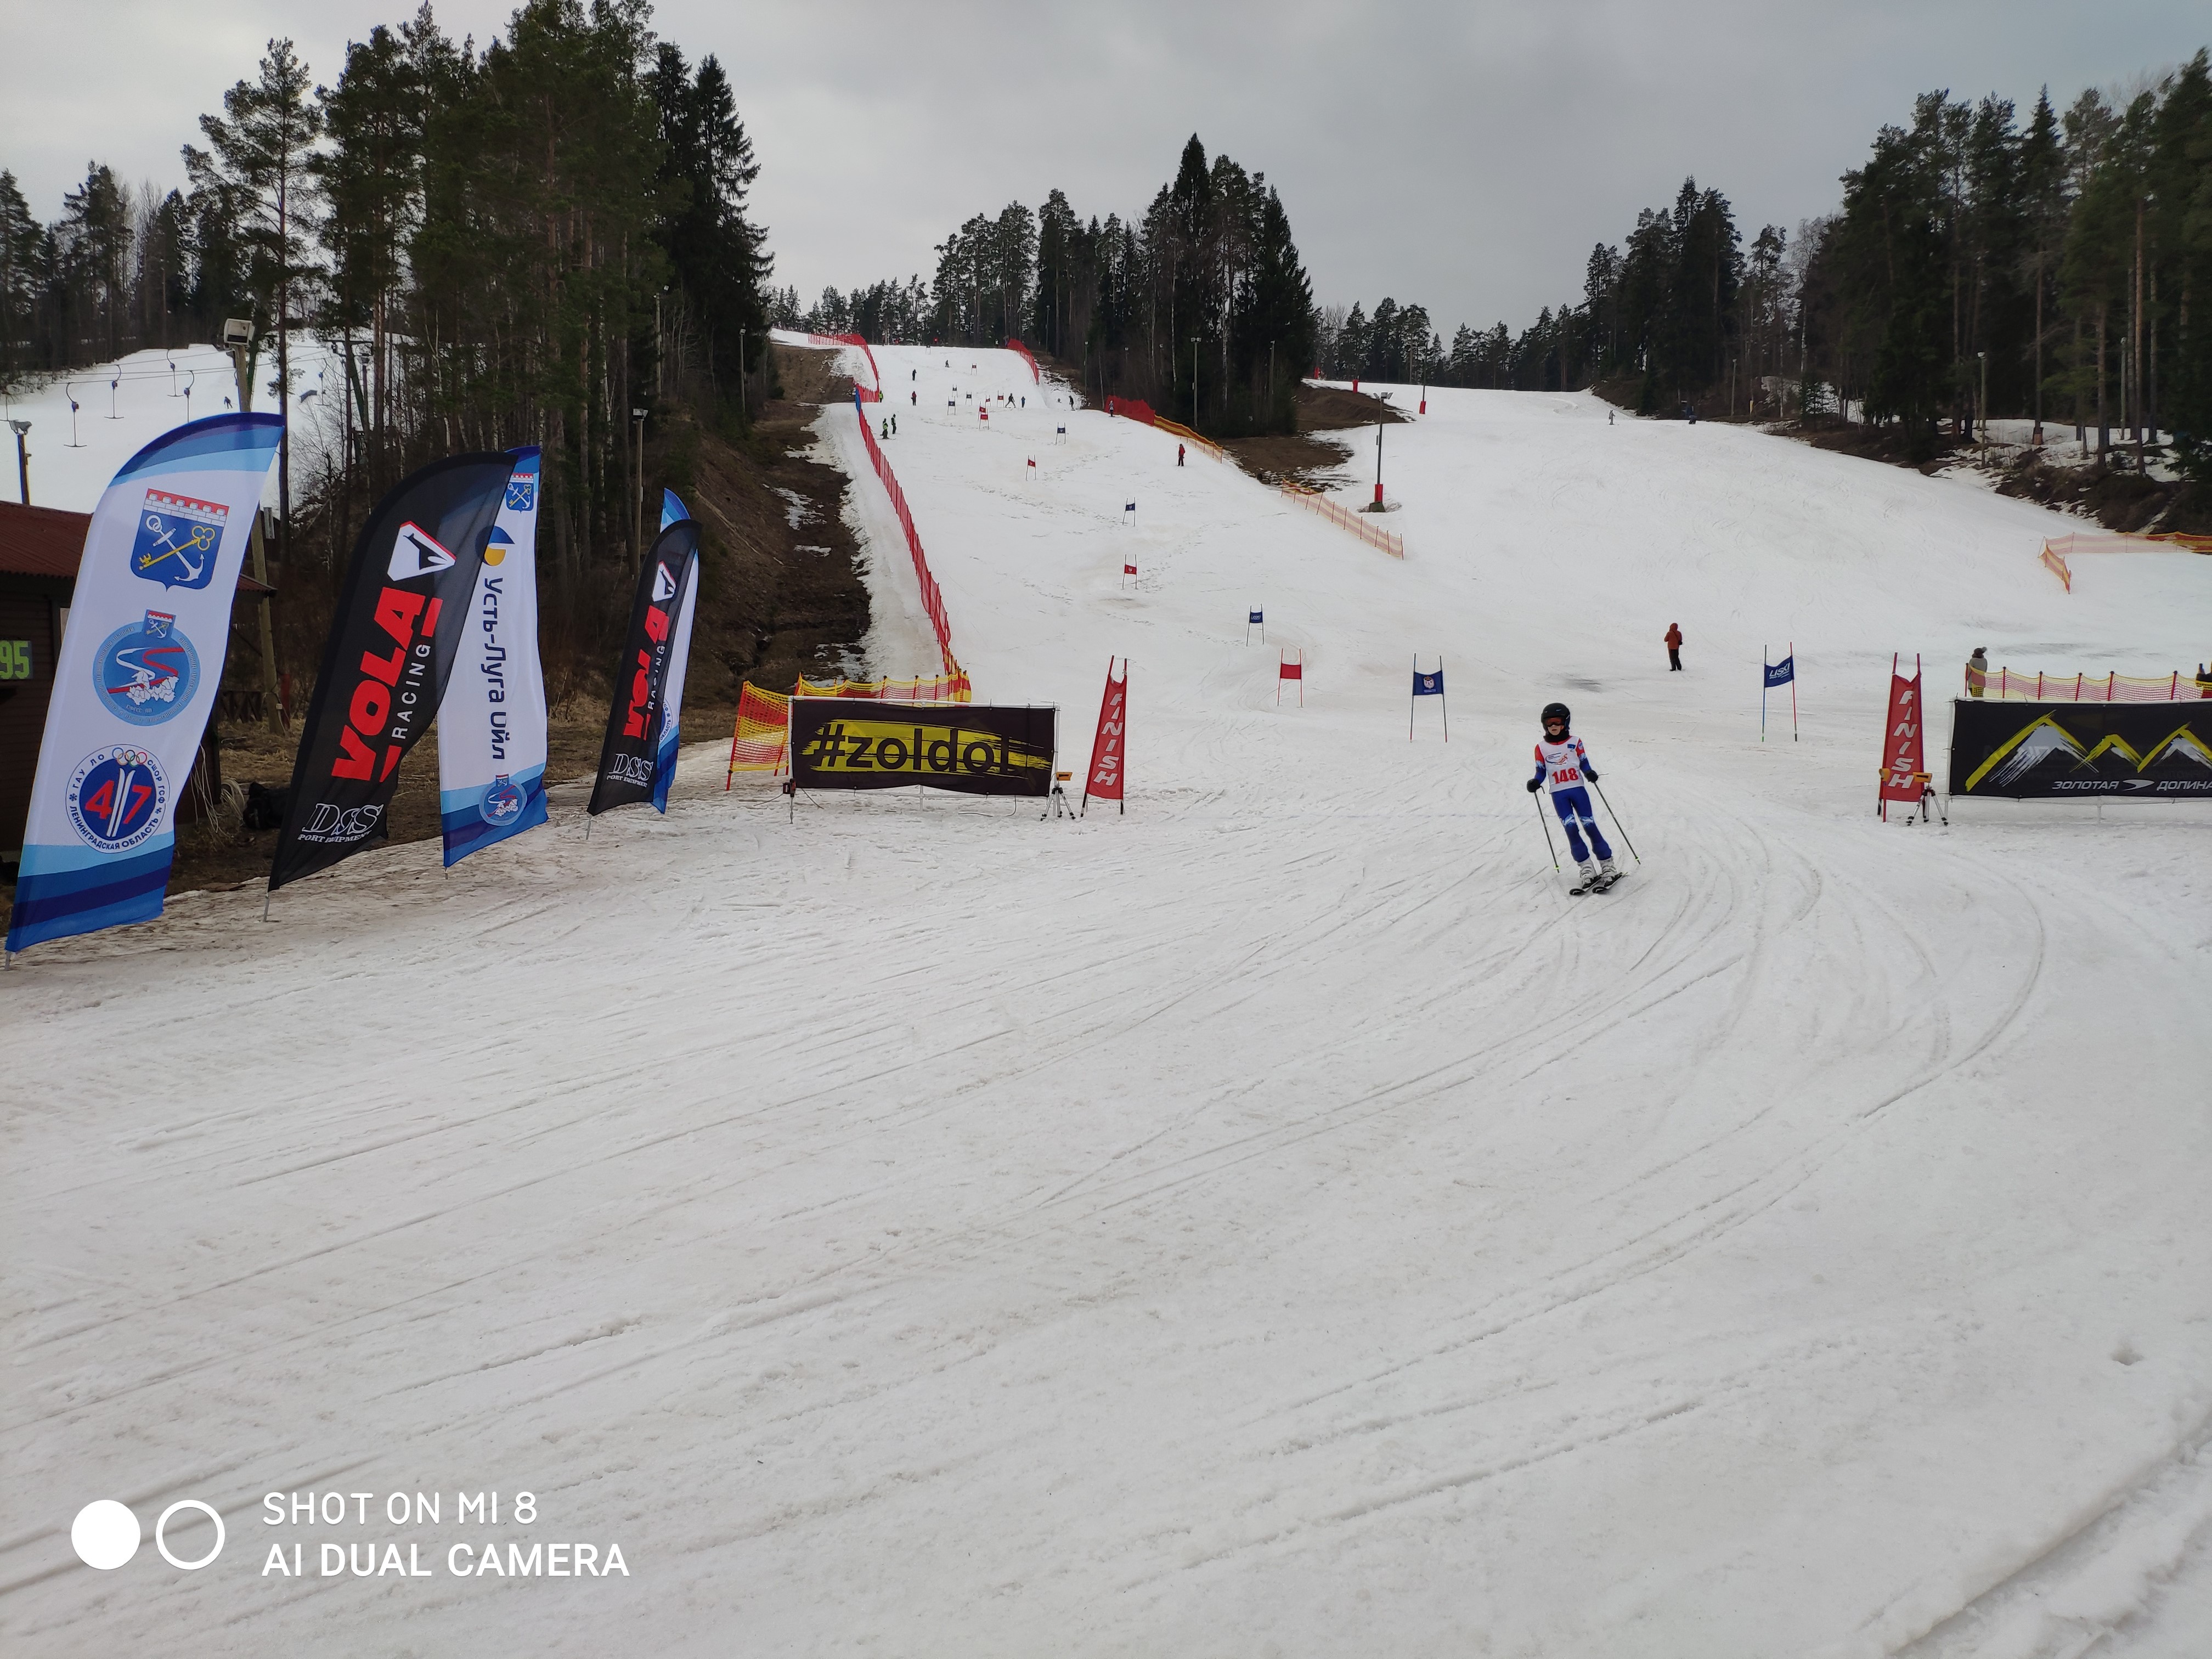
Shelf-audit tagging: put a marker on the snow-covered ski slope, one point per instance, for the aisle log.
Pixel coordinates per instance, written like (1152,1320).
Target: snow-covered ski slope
(1278,1220)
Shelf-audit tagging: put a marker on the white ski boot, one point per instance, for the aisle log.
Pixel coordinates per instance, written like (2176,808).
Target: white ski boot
(1607,875)
(1586,878)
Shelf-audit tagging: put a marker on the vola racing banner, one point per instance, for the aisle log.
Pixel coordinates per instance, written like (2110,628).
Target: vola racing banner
(1903,746)
(1104,778)
(136,681)
(491,725)
(976,749)
(400,619)
(2070,751)
(649,676)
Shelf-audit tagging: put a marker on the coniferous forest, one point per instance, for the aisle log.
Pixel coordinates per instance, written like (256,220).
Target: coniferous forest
(1200,307)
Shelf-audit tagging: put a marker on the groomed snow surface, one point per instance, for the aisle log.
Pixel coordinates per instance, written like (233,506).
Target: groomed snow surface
(1278,1220)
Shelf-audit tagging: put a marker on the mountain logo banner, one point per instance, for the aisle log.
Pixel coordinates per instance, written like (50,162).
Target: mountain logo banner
(134,684)
(1904,743)
(637,761)
(2071,751)
(1104,778)
(975,749)
(401,616)
(491,724)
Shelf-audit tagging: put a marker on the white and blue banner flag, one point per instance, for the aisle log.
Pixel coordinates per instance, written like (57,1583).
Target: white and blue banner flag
(149,625)
(1429,685)
(491,724)
(672,512)
(1781,673)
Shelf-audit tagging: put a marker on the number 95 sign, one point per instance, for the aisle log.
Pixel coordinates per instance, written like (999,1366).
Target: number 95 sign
(15,659)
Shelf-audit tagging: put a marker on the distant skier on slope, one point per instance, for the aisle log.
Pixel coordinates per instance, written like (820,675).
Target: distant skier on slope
(1562,762)
(1675,647)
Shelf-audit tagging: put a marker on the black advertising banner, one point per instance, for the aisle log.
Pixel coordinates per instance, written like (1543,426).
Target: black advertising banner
(2077,750)
(845,743)
(635,717)
(398,626)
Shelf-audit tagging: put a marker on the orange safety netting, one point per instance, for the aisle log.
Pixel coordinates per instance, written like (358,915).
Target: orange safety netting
(1358,523)
(763,736)
(933,600)
(1023,352)
(2004,683)
(1207,446)
(2057,549)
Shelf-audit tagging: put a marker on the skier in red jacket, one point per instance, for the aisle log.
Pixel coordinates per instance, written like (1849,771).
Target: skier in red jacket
(1673,648)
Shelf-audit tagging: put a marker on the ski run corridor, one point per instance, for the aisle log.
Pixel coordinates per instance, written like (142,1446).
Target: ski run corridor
(1278,1220)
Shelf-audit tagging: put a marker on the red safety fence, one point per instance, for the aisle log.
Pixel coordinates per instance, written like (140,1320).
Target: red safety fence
(2002,682)
(866,396)
(1358,523)
(1023,352)
(933,600)
(1133,409)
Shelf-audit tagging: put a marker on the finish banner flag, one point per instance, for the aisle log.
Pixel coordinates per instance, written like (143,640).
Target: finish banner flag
(400,619)
(2074,751)
(977,748)
(634,764)
(1903,743)
(1104,778)
(491,726)
(148,627)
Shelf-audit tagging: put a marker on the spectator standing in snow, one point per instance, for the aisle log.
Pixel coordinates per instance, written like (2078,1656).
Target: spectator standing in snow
(1673,648)
(1977,670)
(1178,454)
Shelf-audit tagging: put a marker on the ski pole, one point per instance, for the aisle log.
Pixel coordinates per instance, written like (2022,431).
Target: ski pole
(1617,823)
(1538,802)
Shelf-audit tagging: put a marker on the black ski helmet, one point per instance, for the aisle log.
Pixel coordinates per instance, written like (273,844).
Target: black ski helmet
(1566,721)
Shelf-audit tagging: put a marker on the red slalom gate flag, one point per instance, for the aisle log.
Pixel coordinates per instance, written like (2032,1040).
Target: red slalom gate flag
(1903,748)
(1287,670)
(1104,779)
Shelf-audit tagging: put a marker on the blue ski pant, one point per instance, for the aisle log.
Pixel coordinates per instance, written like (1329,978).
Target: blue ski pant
(1574,810)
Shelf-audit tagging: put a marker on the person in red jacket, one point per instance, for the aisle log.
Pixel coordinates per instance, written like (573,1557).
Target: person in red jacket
(1675,647)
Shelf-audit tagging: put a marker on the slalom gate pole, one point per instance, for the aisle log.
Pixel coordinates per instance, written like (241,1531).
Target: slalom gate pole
(1762,694)
(1617,823)
(1546,824)
(1793,690)
(1413,697)
(1444,697)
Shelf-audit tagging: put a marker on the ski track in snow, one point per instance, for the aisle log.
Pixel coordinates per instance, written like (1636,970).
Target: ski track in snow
(1278,1220)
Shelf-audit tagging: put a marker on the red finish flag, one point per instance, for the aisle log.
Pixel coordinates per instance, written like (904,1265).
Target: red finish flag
(1903,748)
(1104,779)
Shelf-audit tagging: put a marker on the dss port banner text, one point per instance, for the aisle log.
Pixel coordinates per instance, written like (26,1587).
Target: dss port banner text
(2075,751)
(978,749)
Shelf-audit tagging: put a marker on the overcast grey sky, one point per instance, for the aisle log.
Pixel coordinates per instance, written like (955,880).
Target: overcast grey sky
(1464,155)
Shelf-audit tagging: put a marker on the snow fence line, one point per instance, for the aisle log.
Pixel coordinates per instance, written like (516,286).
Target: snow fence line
(933,600)
(2088,688)
(2057,549)
(1023,352)
(838,342)
(1373,534)
(1207,447)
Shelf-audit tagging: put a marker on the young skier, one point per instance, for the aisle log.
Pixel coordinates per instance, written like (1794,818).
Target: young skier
(1563,762)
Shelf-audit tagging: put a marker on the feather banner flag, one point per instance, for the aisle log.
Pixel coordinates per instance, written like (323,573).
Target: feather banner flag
(137,675)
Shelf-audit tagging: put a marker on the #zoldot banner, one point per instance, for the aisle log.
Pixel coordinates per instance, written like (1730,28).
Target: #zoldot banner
(400,619)
(491,725)
(649,676)
(2073,750)
(976,749)
(149,625)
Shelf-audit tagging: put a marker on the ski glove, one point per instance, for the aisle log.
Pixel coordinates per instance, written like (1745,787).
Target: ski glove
(1534,786)
(1590,772)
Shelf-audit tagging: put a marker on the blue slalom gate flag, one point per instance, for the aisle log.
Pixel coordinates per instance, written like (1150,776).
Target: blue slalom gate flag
(1778,673)
(1255,617)
(1429,685)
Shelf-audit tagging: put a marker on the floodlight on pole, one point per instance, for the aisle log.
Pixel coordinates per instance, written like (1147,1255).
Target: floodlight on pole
(22,458)
(70,392)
